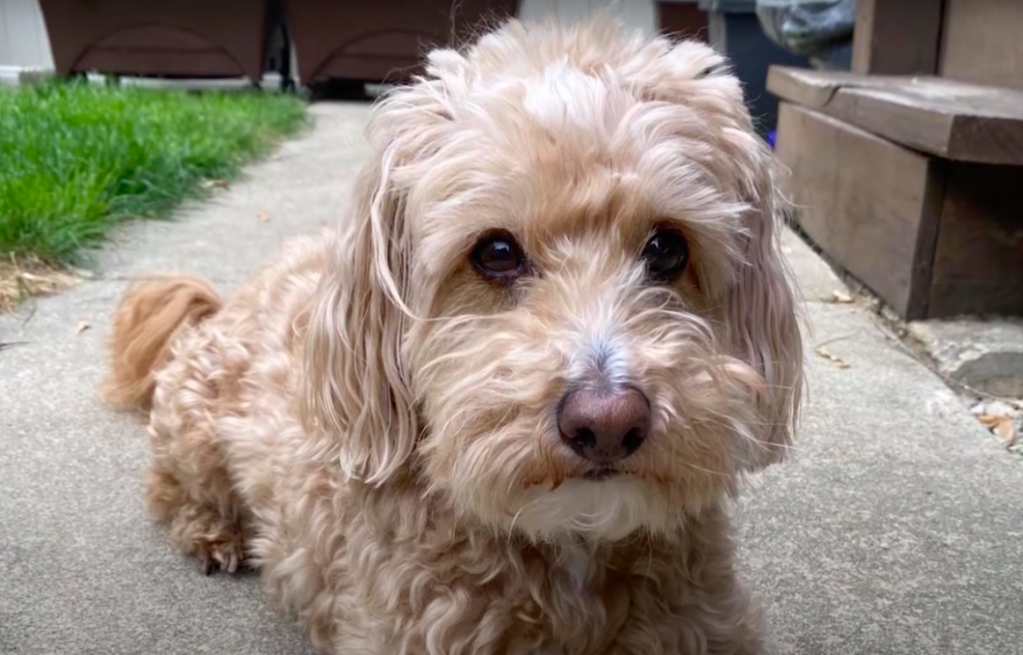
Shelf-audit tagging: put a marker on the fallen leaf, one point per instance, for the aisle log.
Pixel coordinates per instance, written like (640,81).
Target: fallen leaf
(826,354)
(263,217)
(989,420)
(1006,431)
(1001,425)
(217,183)
(840,297)
(82,327)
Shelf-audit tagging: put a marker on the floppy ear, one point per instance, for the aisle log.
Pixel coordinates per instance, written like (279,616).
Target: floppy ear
(763,318)
(356,392)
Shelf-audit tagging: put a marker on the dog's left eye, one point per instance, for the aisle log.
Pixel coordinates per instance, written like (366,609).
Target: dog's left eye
(666,254)
(497,255)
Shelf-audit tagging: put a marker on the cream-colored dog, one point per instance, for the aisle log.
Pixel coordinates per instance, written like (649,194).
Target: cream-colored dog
(504,407)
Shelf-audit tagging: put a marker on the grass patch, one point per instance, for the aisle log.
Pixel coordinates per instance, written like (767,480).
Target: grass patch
(77,159)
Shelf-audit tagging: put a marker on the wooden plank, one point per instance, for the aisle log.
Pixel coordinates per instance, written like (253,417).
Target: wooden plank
(978,258)
(883,44)
(871,205)
(804,87)
(953,120)
(981,42)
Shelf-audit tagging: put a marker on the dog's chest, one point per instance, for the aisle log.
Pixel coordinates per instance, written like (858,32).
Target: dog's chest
(579,571)
(578,607)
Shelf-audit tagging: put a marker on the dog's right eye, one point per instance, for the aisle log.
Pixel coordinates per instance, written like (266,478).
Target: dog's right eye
(666,254)
(498,256)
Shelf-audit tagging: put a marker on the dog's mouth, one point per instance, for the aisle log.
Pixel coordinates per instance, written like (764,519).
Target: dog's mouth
(601,473)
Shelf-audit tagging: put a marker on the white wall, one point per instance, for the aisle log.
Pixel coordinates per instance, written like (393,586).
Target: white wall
(634,13)
(24,43)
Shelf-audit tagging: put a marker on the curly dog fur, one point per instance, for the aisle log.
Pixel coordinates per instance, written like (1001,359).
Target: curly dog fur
(372,420)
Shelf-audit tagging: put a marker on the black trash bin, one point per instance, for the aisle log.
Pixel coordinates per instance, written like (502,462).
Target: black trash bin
(733,28)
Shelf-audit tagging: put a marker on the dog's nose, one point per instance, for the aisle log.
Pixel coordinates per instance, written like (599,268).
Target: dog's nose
(604,427)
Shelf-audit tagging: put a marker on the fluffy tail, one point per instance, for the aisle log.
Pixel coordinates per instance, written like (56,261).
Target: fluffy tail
(145,323)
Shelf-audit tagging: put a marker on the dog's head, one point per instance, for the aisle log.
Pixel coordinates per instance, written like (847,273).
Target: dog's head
(558,299)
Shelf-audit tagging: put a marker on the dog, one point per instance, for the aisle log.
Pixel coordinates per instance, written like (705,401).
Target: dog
(506,404)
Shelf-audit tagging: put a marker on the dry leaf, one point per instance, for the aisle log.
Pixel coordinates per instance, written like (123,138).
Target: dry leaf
(826,354)
(263,217)
(1001,425)
(82,327)
(989,420)
(1006,431)
(215,184)
(31,277)
(840,297)
(21,278)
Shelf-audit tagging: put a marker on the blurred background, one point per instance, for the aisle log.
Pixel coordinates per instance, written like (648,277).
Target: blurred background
(344,49)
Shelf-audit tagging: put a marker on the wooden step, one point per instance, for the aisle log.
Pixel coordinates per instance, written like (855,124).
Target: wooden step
(952,120)
(933,238)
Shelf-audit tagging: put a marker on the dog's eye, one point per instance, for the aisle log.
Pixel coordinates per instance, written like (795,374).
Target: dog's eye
(666,254)
(497,255)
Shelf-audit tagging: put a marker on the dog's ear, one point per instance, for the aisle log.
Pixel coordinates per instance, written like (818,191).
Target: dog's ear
(762,316)
(356,392)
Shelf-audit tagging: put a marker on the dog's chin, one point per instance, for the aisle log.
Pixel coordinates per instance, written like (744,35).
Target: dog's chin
(598,506)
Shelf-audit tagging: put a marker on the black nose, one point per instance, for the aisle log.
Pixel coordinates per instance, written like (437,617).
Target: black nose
(604,427)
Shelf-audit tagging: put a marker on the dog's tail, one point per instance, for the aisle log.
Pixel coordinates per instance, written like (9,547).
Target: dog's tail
(147,320)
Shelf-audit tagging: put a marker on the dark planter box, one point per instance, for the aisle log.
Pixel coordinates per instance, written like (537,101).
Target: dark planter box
(183,38)
(382,41)
(682,19)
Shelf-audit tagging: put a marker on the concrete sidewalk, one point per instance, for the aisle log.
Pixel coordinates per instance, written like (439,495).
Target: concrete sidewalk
(897,528)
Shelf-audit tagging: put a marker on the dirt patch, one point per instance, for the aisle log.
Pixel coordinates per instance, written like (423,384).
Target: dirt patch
(24,278)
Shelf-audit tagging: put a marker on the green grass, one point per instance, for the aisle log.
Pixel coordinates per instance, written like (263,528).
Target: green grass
(75,159)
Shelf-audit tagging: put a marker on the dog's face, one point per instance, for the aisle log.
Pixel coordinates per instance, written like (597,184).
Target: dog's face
(559,302)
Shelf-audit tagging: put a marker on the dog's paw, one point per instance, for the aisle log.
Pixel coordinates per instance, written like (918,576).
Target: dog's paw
(220,555)
(214,541)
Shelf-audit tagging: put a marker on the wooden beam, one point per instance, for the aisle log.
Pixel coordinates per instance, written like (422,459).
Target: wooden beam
(897,37)
(870,205)
(981,42)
